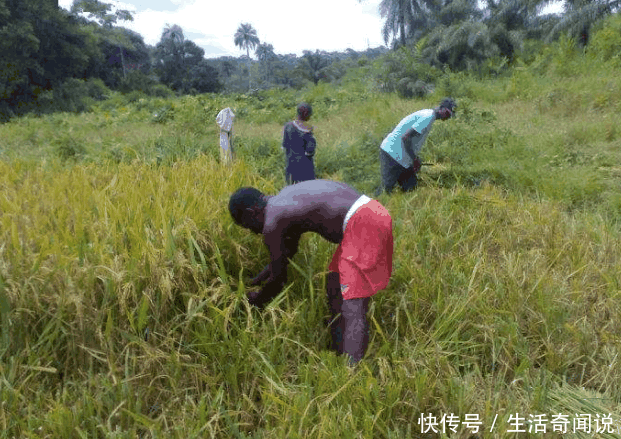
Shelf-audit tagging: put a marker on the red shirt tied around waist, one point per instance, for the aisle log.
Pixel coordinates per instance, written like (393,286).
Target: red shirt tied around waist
(360,267)
(363,259)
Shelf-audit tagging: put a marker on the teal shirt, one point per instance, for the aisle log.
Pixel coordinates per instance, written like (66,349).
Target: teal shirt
(420,121)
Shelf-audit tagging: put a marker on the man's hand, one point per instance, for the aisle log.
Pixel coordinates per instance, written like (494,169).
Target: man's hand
(254,298)
(261,277)
(416,164)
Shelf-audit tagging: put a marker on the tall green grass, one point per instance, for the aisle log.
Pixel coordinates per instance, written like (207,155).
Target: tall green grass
(122,296)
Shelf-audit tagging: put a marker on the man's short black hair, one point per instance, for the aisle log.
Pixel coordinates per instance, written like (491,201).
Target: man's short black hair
(448,103)
(305,111)
(243,198)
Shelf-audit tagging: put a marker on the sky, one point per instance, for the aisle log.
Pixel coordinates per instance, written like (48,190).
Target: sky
(289,26)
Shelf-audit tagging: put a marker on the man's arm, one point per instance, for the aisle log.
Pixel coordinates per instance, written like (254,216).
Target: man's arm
(406,142)
(261,276)
(274,285)
(281,249)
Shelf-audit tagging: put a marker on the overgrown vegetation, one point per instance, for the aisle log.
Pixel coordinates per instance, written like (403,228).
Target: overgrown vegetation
(51,57)
(122,307)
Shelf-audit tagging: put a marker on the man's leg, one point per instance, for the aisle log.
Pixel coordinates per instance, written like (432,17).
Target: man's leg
(335,300)
(390,170)
(355,328)
(408,180)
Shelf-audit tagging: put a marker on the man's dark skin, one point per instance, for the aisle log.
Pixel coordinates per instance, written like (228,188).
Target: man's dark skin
(318,206)
(441,114)
(404,180)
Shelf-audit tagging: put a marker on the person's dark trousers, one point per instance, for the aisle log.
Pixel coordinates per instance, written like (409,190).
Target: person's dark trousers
(393,173)
(348,324)
(290,180)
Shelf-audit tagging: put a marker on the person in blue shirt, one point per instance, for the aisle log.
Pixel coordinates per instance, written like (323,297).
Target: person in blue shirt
(299,145)
(399,160)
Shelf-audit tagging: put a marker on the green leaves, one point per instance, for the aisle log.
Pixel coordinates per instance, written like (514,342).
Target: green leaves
(5,309)
(100,11)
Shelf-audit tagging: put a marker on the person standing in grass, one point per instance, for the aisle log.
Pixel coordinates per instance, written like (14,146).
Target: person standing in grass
(360,267)
(299,145)
(399,160)
(225,119)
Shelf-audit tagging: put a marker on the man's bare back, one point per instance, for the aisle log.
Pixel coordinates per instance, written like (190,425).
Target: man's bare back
(316,206)
(363,259)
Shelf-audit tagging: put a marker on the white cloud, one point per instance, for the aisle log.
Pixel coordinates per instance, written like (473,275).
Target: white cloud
(553,8)
(290,27)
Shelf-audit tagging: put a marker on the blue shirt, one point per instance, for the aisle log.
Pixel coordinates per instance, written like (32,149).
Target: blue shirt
(421,122)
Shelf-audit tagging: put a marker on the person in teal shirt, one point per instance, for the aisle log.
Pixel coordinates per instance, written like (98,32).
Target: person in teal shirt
(399,160)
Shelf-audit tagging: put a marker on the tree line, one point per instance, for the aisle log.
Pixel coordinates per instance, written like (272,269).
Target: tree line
(462,34)
(53,59)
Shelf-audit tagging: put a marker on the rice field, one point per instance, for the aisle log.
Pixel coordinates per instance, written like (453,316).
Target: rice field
(122,296)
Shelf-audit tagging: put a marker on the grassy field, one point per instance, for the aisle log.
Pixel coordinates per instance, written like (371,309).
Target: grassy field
(122,297)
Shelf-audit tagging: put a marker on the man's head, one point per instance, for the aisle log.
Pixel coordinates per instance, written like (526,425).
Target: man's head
(446,109)
(247,207)
(305,111)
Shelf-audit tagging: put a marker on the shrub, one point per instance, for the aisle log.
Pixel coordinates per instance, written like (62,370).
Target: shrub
(68,148)
(606,42)
(77,95)
(402,71)
(161,91)
(96,89)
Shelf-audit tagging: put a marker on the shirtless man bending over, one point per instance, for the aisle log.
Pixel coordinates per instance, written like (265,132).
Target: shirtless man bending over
(360,267)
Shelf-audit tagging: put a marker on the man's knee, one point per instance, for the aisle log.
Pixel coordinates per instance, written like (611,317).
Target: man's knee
(355,308)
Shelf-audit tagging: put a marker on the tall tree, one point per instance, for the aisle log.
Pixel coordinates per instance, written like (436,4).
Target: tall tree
(172,40)
(397,13)
(227,68)
(406,18)
(312,65)
(580,15)
(202,78)
(101,12)
(40,46)
(246,38)
(265,55)
(181,65)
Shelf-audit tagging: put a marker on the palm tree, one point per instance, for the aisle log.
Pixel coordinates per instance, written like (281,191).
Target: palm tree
(173,33)
(406,18)
(312,65)
(397,14)
(246,37)
(580,15)
(171,56)
(172,37)
(173,41)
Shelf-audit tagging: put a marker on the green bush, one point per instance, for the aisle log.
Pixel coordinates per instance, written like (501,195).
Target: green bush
(403,71)
(606,42)
(77,95)
(68,148)
(136,80)
(96,89)
(161,91)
